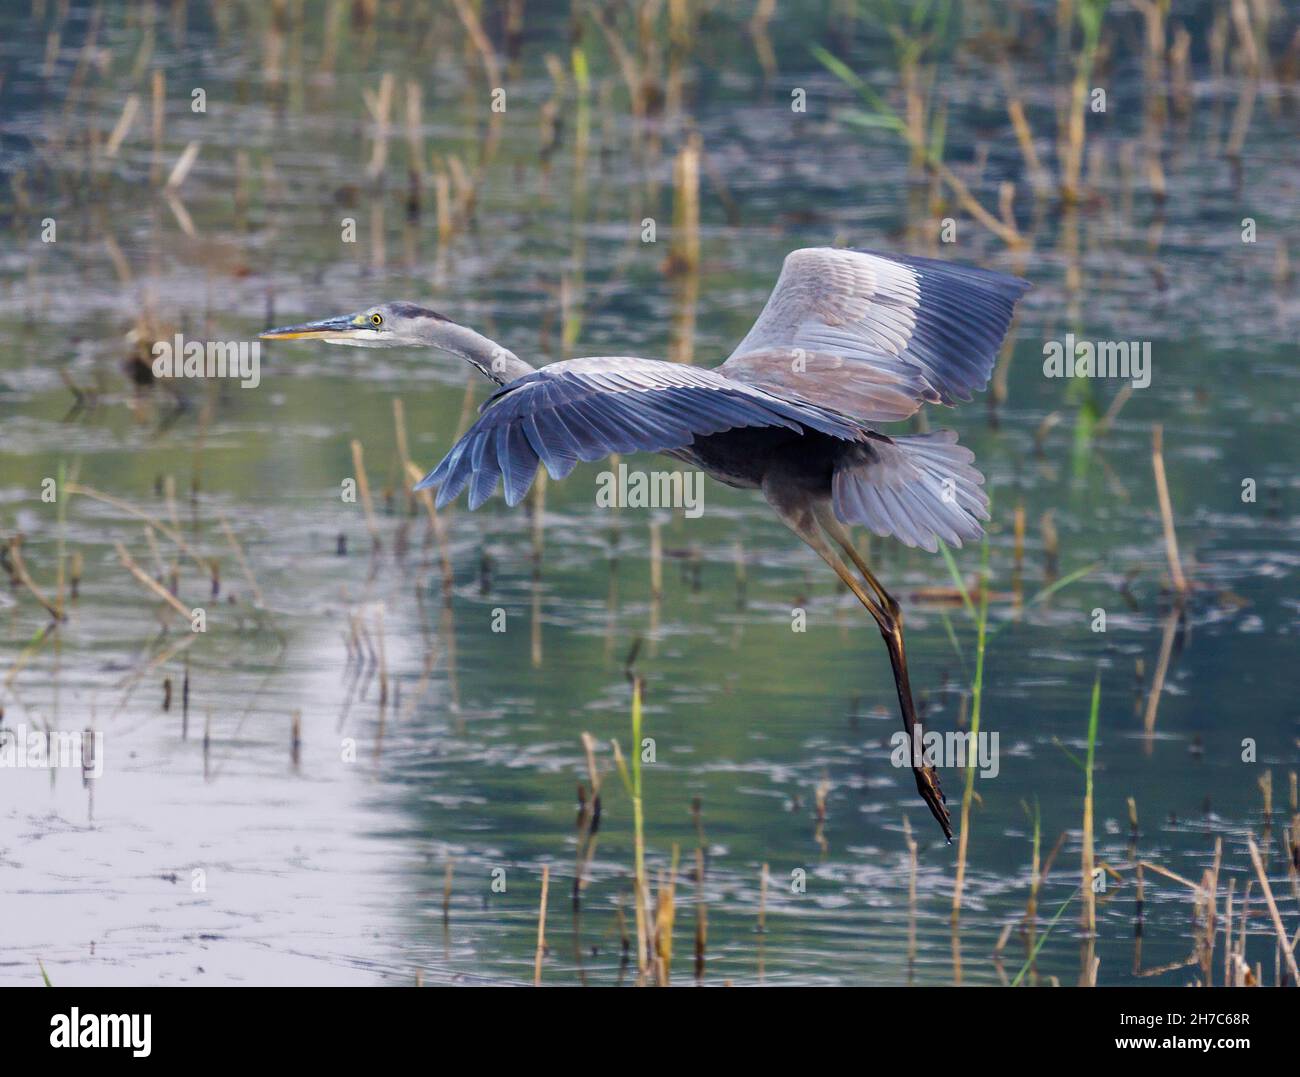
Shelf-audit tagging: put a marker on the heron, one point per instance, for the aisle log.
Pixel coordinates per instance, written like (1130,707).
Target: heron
(848,339)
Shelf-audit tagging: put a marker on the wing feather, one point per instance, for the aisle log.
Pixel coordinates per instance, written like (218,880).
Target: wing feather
(585,409)
(877,336)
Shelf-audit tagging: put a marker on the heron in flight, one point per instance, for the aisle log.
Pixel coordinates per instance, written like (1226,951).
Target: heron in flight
(848,339)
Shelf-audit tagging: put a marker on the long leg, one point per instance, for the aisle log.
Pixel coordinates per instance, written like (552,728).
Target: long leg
(927,778)
(801,514)
(831,525)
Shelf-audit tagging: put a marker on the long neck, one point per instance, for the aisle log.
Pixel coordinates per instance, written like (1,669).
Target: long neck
(498,363)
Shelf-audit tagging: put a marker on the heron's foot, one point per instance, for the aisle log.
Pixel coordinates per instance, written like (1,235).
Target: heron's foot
(927,784)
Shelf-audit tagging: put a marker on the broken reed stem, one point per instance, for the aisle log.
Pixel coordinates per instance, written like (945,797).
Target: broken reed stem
(446,891)
(685,254)
(243,562)
(21,574)
(439,530)
(480,40)
(656,562)
(123,125)
(665,917)
(149,582)
(363,486)
(172,533)
(588,820)
(541,926)
(1161,671)
(379,105)
(1287,952)
(1166,509)
(383,657)
(158,90)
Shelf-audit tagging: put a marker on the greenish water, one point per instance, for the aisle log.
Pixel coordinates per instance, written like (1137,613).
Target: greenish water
(333,870)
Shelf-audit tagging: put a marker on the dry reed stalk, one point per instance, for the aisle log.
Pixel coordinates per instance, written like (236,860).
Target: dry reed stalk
(363,486)
(684,253)
(541,926)
(819,799)
(243,561)
(439,530)
(123,125)
(206,566)
(158,87)
(127,684)
(446,890)
(1288,951)
(442,206)
(626,62)
(29,652)
(1227,933)
(181,169)
(149,582)
(1251,55)
(1162,670)
(1051,545)
(1166,510)
(656,561)
(1174,876)
(379,105)
(414,131)
(18,569)
(588,819)
(665,917)
(382,659)
(1038,178)
(474,29)
(758,22)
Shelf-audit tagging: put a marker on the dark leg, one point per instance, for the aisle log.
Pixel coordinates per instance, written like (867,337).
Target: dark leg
(889,616)
(802,516)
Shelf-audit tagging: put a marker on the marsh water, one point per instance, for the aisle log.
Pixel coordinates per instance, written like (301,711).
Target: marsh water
(439,751)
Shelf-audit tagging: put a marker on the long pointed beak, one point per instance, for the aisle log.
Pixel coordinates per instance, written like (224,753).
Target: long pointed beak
(344,327)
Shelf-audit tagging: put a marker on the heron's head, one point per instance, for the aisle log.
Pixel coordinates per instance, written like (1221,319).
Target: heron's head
(385,325)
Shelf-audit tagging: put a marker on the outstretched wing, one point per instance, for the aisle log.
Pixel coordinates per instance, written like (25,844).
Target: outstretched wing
(585,409)
(876,336)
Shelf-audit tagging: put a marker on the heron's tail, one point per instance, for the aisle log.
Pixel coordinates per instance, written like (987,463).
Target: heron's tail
(918,488)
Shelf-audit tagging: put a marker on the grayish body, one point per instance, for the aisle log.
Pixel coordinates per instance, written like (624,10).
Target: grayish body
(848,340)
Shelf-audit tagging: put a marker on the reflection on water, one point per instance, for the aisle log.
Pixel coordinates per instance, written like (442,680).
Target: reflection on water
(345,779)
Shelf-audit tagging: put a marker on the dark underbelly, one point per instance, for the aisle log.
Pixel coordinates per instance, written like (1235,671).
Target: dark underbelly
(742,457)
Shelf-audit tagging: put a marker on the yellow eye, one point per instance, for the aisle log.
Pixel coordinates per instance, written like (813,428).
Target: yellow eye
(376,319)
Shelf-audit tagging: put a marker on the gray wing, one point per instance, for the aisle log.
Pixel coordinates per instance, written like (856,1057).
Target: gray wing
(877,336)
(585,409)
